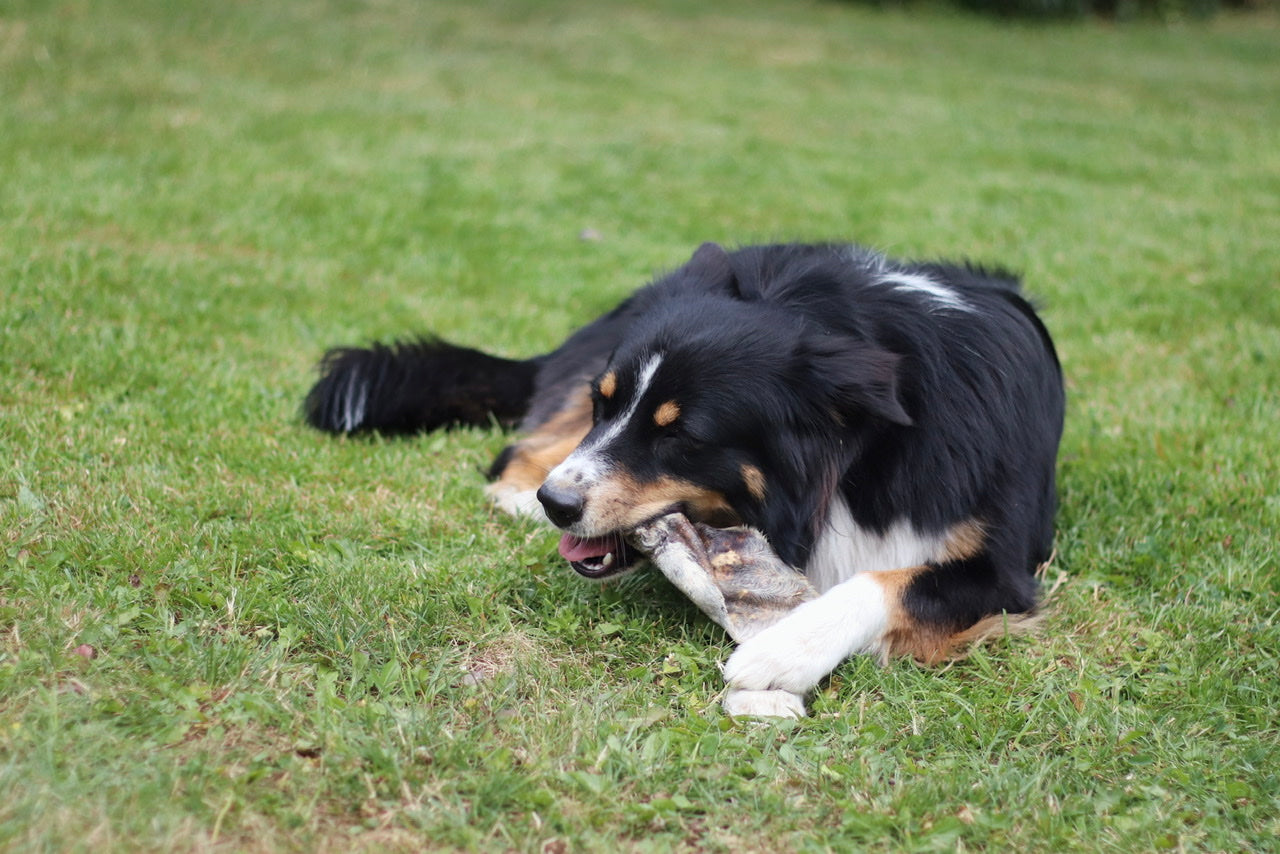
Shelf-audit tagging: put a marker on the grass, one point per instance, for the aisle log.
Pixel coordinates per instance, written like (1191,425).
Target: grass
(220,631)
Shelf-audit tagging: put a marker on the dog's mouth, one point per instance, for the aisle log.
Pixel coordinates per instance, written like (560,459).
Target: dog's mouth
(598,557)
(610,554)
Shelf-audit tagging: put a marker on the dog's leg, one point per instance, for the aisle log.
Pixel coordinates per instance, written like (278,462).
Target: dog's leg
(521,468)
(881,613)
(856,617)
(741,703)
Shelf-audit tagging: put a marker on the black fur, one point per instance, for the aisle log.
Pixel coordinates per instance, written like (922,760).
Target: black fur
(414,386)
(928,392)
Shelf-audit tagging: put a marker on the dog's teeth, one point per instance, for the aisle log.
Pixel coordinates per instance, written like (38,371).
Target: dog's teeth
(606,561)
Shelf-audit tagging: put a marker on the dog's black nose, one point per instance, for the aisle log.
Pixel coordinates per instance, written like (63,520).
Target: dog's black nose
(563,506)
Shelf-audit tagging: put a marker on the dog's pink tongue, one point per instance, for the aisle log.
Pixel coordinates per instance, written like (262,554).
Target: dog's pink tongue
(582,548)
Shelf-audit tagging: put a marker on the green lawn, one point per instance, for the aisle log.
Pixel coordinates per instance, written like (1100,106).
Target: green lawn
(221,631)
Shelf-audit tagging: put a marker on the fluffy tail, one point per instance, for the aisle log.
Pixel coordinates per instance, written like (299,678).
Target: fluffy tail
(415,386)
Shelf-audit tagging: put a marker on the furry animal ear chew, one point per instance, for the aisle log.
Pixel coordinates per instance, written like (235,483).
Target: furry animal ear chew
(731,574)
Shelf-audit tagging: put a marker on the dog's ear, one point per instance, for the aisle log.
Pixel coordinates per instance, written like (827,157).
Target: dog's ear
(860,378)
(712,265)
(792,512)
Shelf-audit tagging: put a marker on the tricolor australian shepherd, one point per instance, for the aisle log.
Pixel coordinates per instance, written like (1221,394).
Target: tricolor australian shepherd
(891,428)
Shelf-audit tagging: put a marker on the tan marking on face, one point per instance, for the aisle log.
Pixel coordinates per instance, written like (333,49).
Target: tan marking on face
(548,446)
(964,540)
(608,384)
(666,414)
(620,503)
(931,644)
(754,479)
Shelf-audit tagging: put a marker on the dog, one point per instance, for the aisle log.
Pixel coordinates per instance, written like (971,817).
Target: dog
(891,428)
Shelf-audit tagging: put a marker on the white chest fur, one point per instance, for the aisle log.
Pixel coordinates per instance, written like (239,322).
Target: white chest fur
(845,548)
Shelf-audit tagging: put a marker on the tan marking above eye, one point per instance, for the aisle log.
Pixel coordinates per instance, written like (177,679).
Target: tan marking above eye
(666,414)
(608,384)
(754,479)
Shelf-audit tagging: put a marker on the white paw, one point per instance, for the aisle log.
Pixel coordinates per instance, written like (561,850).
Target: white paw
(763,704)
(516,502)
(795,653)
(786,656)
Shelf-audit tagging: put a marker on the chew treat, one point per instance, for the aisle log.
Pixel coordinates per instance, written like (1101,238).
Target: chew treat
(730,573)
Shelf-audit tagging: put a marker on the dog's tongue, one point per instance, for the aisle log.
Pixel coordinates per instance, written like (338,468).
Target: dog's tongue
(575,549)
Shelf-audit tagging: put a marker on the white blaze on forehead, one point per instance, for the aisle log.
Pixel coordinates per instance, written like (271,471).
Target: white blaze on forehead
(585,465)
(643,379)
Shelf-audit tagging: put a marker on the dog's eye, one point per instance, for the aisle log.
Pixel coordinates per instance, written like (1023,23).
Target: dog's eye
(602,408)
(676,438)
(603,390)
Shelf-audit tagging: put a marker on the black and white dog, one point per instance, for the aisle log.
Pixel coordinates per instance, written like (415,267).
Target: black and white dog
(891,428)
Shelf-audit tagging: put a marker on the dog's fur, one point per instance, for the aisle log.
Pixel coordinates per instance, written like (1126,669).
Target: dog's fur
(891,428)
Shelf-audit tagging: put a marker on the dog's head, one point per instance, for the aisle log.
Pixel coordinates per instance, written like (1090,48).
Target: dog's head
(728,411)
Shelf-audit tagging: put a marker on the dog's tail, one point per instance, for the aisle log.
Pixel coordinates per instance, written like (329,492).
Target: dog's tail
(416,386)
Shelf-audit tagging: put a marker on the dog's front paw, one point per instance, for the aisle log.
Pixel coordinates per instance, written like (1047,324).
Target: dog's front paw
(795,653)
(787,656)
(517,502)
(763,704)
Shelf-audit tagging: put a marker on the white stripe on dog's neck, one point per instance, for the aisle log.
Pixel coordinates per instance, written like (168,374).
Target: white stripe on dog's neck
(940,295)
